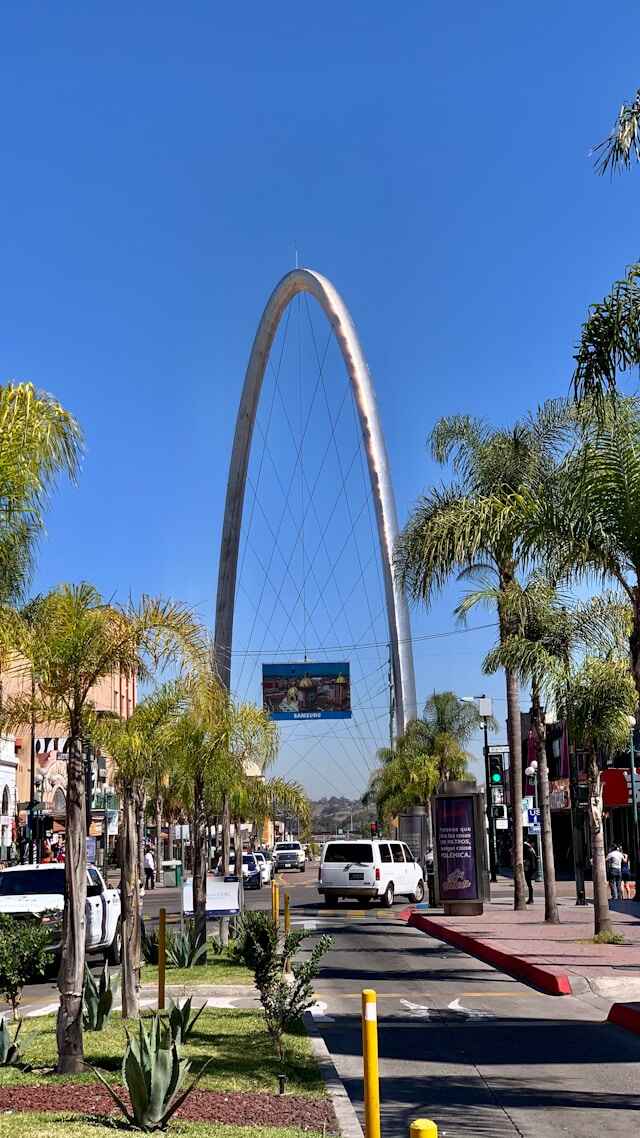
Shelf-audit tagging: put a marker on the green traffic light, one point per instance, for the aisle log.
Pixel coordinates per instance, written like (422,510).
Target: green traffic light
(496,777)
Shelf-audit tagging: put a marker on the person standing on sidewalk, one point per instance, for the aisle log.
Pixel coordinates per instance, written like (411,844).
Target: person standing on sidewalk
(614,861)
(530,861)
(149,869)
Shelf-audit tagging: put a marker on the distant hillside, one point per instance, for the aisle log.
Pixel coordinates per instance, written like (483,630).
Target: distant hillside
(328,815)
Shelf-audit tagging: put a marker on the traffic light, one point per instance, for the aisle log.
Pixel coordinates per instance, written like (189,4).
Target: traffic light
(374,829)
(496,770)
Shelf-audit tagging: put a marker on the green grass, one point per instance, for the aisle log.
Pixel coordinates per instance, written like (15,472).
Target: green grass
(77,1126)
(217,970)
(608,938)
(243,1055)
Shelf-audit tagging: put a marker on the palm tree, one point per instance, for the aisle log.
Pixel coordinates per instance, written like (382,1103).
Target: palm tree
(622,145)
(587,523)
(599,700)
(80,640)
(472,528)
(138,747)
(429,752)
(39,439)
(213,742)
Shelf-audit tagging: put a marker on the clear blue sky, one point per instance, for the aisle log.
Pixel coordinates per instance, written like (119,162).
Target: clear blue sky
(161,162)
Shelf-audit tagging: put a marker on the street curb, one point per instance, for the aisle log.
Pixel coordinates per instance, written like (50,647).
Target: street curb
(552,982)
(626,1016)
(244,990)
(346,1116)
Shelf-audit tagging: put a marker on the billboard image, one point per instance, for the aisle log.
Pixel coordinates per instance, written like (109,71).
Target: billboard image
(306,691)
(455,845)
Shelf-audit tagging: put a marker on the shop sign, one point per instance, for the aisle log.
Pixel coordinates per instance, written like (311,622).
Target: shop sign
(560,794)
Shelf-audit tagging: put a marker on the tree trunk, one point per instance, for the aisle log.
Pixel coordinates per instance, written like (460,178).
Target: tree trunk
(199,860)
(71,979)
(515,779)
(226,834)
(601,914)
(549,868)
(130,900)
(159,848)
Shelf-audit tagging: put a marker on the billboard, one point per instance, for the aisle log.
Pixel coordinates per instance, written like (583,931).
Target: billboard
(455,846)
(306,691)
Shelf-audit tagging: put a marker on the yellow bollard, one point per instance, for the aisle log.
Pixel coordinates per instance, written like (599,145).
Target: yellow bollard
(287,915)
(370,1064)
(162,957)
(276,895)
(423,1128)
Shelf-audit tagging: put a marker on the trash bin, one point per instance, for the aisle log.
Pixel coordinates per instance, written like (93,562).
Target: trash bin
(172,873)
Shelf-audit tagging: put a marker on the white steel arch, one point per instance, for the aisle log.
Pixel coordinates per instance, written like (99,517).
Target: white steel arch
(297,281)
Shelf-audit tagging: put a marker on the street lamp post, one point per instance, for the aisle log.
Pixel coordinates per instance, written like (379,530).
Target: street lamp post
(485,708)
(634,806)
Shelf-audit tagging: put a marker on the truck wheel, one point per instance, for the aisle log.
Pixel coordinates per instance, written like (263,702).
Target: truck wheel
(302,868)
(418,896)
(114,952)
(387,897)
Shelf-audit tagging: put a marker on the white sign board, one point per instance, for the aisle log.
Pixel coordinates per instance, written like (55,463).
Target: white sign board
(502,824)
(534,830)
(223,897)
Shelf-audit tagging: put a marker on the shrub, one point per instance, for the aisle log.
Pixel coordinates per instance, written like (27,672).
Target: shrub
(97,998)
(25,952)
(285,995)
(154,1074)
(9,1050)
(149,944)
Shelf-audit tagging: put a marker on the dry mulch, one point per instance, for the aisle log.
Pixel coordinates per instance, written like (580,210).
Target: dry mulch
(235,1108)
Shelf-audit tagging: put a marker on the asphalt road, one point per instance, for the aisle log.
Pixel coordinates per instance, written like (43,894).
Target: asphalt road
(461,1043)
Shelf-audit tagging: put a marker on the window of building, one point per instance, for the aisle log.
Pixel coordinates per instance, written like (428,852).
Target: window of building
(5,801)
(59,801)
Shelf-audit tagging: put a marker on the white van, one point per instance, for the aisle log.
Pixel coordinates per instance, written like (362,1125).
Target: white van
(369,871)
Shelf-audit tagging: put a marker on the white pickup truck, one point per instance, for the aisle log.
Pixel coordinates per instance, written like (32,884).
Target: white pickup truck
(36,892)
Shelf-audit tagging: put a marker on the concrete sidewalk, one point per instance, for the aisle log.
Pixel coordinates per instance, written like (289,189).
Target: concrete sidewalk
(558,959)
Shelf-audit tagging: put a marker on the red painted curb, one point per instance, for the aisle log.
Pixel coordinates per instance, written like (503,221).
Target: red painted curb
(554,983)
(625,1015)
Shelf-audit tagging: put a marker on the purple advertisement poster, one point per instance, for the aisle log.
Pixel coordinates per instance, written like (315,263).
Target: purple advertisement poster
(456,848)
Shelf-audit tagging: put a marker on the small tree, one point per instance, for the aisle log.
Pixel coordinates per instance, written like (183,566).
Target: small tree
(25,952)
(599,698)
(285,986)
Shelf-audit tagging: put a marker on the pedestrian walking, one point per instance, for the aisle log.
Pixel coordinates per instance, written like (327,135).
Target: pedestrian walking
(625,877)
(149,869)
(530,860)
(614,861)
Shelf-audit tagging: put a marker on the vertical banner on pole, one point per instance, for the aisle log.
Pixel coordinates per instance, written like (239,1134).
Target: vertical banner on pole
(370,1064)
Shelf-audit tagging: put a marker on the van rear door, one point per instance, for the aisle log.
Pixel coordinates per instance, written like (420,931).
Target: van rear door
(347,864)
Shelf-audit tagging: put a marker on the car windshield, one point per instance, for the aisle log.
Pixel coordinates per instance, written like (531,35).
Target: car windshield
(31,881)
(287,846)
(349,851)
(248,859)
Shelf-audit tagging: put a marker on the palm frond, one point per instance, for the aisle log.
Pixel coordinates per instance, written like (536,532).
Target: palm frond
(609,341)
(622,146)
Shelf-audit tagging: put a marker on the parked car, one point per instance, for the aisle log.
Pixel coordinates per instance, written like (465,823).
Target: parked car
(289,855)
(265,867)
(36,892)
(251,872)
(369,871)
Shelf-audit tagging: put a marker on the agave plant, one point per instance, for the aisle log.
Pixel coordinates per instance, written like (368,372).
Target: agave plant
(154,1074)
(10,1055)
(184,949)
(97,998)
(179,1018)
(149,944)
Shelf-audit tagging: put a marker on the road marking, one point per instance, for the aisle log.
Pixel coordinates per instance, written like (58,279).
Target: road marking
(472,1013)
(454,1012)
(318,1011)
(511,995)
